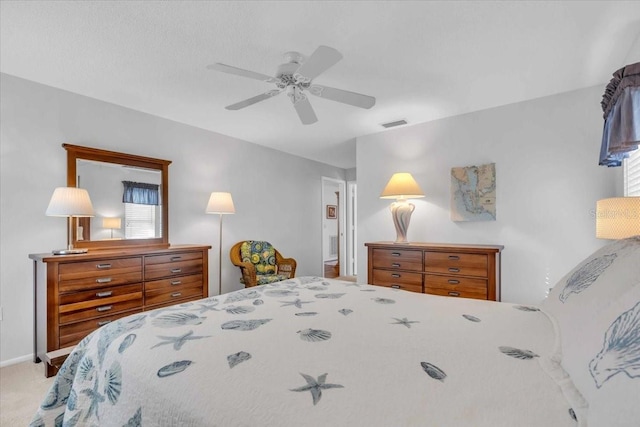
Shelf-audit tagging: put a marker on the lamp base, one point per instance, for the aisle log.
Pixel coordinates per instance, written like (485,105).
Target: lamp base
(73,251)
(401,211)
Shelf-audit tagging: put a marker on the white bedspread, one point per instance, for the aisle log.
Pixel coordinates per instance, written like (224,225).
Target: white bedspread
(314,352)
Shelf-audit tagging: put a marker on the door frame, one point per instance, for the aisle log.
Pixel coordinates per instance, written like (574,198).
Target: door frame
(341,222)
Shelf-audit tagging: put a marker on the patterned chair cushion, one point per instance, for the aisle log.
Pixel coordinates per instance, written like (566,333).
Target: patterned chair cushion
(262,255)
(265,279)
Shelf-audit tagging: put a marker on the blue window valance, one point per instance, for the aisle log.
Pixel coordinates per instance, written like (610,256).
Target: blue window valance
(140,193)
(621,106)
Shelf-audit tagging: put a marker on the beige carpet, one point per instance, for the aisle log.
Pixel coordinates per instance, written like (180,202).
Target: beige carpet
(22,388)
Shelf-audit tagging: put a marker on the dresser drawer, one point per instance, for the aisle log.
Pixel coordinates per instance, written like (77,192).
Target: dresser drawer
(72,333)
(455,293)
(398,279)
(173,284)
(165,259)
(99,307)
(78,270)
(162,297)
(397,259)
(454,286)
(171,269)
(104,294)
(456,263)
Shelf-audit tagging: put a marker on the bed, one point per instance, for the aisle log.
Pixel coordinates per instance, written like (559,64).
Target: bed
(311,351)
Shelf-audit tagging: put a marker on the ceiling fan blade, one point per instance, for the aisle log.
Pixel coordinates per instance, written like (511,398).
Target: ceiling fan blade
(321,60)
(251,101)
(240,72)
(344,96)
(304,109)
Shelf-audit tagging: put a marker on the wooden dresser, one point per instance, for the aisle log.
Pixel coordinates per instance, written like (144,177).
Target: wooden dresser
(76,294)
(468,271)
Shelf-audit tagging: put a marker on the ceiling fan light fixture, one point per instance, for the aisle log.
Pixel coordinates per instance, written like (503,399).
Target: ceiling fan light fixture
(294,78)
(394,124)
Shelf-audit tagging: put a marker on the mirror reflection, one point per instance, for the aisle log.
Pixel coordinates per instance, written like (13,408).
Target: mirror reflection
(127,201)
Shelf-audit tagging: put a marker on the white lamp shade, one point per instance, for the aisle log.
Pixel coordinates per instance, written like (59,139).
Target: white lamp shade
(618,218)
(220,203)
(111,223)
(402,186)
(70,201)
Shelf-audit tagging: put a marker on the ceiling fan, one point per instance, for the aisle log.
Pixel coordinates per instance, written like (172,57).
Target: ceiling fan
(295,78)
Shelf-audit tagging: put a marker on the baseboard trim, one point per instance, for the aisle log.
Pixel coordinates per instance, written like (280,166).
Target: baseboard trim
(17,360)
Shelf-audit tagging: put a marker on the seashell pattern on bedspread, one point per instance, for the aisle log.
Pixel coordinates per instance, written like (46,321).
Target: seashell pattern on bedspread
(318,352)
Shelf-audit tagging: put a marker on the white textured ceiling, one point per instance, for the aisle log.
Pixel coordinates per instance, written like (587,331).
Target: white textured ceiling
(421,60)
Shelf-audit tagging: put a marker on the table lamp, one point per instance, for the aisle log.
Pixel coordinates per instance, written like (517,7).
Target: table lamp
(70,202)
(401,187)
(112,223)
(618,217)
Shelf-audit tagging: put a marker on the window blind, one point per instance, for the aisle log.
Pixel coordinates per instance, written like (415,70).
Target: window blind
(139,221)
(632,174)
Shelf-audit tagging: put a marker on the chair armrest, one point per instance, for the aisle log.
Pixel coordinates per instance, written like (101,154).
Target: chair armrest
(248,271)
(289,265)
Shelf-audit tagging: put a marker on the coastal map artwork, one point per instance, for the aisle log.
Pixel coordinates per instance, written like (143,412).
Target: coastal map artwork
(473,193)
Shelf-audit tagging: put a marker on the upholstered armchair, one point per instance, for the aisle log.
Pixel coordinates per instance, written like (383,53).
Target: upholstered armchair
(260,263)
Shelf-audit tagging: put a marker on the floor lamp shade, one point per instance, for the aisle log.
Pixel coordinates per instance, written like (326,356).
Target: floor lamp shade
(222,204)
(618,217)
(69,202)
(401,186)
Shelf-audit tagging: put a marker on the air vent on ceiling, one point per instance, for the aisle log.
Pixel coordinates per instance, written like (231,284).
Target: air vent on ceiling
(394,124)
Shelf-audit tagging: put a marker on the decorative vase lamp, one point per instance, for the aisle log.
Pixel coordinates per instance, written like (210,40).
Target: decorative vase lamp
(72,203)
(401,187)
(618,218)
(112,223)
(221,204)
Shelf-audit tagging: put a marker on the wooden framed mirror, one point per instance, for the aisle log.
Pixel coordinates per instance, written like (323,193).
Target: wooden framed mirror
(130,197)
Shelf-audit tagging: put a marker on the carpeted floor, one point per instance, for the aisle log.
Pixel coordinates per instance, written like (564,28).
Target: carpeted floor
(22,388)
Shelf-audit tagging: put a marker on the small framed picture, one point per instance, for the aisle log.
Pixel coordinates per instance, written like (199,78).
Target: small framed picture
(331,211)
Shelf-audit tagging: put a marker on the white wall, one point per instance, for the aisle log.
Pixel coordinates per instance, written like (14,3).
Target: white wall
(548,181)
(276,195)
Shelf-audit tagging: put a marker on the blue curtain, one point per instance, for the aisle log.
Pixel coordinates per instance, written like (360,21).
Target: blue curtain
(621,106)
(140,193)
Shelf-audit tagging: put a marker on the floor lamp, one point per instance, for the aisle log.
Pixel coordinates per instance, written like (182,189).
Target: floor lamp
(221,204)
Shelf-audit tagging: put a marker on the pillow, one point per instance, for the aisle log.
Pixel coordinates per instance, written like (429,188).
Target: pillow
(585,305)
(595,282)
(603,361)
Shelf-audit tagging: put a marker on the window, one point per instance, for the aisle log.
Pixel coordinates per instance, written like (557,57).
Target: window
(632,174)
(140,221)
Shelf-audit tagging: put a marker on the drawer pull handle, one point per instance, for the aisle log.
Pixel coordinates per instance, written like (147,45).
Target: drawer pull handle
(395,286)
(395,264)
(454,257)
(453,281)
(176,258)
(104,294)
(454,294)
(103,266)
(103,280)
(176,294)
(395,254)
(396,276)
(176,282)
(454,270)
(176,270)
(104,322)
(104,308)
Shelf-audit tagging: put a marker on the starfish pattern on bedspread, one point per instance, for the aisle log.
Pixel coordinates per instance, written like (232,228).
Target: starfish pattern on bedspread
(316,386)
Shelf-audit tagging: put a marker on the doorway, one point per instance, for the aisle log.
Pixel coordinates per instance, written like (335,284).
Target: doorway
(337,210)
